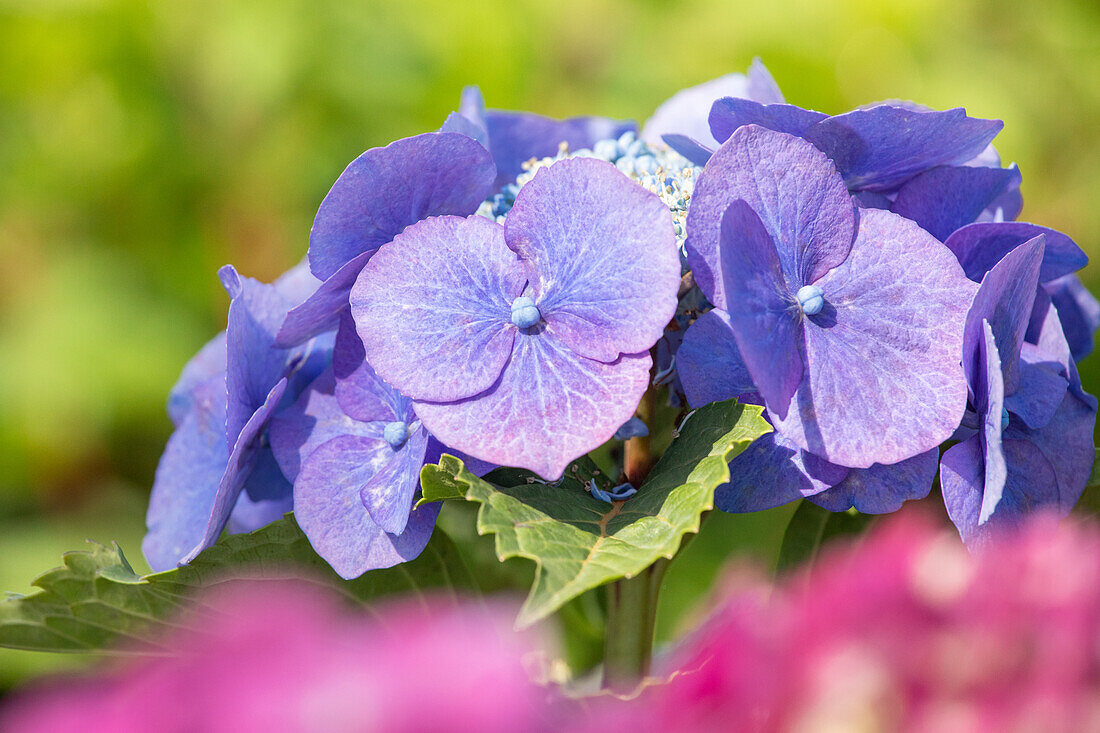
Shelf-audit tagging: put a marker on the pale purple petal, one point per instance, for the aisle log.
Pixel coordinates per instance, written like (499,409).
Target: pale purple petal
(726,115)
(321,311)
(548,407)
(980,246)
(433,308)
(360,391)
(388,494)
(314,419)
(330,511)
(1004,300)
(457,122)
(297,284)
(710,366)
(685,112)
(879,148)
(266,497)
(989,399)
(884,375)
(386,189)
(1078,310)
(764,317)
(601,255)
(516,137)
(882,489)
(187,478)
(792,187)
(209,360)
(771,472)
(242,459)
(946,198)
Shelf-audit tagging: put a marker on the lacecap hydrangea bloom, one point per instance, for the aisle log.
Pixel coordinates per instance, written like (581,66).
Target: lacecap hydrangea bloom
(508,288)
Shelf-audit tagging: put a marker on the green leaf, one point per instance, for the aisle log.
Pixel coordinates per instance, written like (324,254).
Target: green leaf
(810,528)
(95,601)
(578,542)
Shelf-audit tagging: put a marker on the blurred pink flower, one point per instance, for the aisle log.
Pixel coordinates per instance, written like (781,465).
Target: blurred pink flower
(284,658)
(904,631)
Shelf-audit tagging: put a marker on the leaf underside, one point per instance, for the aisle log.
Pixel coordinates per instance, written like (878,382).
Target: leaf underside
(95,601)
(579,542)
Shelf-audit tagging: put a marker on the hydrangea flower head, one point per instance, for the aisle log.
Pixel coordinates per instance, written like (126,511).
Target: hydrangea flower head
(850,326)
(447,315)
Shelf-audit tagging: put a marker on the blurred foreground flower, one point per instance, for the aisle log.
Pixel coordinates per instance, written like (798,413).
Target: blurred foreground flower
(906,631)
(283,658)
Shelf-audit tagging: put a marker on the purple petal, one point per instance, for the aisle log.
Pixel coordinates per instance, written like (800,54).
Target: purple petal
(516,137)
(764,317)
(321,311)
(242,459)
(314,419)
(388,494)
(1041,390)
(882,489)
(1066,442)
(1047,344)
(771,472)
(472,105)
(711,368)
(549,407)
(386,189)
(884,380)
(187,478)
(434,307)
(297,284)
(946,198)
(461,124)
(989,398)
(689,147)
(1078,310)
(685,112)
(879,148)
(329,510)
(210,360)
(253,365)
(980,246)
(1028,487)
(1004,300)
(793,188)
(360,391)
(601,255)
(266,497)
(726,115)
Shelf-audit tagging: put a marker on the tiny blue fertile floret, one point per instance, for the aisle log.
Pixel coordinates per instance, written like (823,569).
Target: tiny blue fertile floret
(396,433)
(811,299)
(524,312)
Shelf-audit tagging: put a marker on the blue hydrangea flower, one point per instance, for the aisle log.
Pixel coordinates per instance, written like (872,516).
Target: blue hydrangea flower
(217,469)
(514,138)
(1030,424)
(869,373)
(380,193)
(592,252)
(685,116)
(354,449)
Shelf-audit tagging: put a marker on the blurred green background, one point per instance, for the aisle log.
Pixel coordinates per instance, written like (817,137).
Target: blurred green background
(144,144)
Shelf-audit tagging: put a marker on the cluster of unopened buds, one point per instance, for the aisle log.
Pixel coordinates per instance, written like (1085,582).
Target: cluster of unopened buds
(508,288)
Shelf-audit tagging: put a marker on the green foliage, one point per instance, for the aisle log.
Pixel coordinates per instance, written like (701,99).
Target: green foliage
(579,542)
(810,528)
(95,601)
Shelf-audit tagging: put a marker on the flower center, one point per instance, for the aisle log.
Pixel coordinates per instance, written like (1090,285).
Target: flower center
(524,312)
(396,433)
(811,299)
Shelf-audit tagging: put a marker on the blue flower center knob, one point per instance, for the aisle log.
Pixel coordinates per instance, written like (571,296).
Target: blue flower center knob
(811,299)
(524,312)
(396,433)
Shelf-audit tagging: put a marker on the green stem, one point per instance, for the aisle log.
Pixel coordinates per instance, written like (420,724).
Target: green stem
(631,621)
